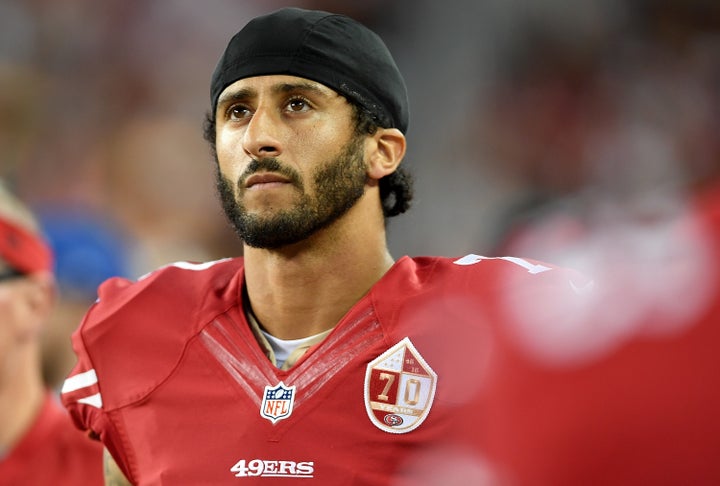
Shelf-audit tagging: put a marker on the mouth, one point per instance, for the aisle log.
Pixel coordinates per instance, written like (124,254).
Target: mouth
(265,180)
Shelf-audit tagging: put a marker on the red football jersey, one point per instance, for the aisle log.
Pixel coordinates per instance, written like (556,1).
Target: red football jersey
(53,452)
(172,378)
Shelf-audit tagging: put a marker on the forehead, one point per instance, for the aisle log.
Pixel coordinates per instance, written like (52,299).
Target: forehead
(274,84)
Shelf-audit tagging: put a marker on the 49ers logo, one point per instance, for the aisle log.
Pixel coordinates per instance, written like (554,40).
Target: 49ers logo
(274,469)
(399,389)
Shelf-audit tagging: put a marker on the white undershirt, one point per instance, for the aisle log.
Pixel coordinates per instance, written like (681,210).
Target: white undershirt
(283,348)
(283,353)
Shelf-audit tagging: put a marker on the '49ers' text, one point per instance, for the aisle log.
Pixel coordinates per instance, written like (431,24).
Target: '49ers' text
(275,469)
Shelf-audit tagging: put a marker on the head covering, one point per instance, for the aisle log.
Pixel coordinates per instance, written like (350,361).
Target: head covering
(23,250)
(331,49)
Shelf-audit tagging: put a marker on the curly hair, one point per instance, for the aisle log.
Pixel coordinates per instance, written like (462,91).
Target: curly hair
(396,189)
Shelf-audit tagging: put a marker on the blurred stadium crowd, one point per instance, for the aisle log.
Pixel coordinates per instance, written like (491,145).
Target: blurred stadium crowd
(534,126)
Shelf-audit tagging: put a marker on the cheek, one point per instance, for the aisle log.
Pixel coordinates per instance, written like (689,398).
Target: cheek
(313,149)
(6,298)
(322,139)
(230,157)
(9,313)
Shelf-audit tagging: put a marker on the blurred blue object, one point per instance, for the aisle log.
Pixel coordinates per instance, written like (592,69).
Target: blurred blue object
(88,249)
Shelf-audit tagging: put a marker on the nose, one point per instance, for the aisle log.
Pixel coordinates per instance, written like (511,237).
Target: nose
(261,135)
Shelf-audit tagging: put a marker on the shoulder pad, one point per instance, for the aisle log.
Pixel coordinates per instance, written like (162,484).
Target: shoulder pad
(136,332)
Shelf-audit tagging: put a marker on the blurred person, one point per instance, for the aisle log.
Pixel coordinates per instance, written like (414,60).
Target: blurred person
(316,355)
(38,443)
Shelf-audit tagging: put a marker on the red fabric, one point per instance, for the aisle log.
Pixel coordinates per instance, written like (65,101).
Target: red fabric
(181,378)
(53,452)
(23,250)
(642,411)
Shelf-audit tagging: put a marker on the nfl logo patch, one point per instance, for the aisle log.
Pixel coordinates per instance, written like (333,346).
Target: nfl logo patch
(399,389)
(277,402)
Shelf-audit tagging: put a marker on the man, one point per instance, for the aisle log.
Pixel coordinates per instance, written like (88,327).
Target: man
(38,443)
(316,356)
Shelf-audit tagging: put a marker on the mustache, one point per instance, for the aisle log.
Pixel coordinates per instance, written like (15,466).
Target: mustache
(270,164)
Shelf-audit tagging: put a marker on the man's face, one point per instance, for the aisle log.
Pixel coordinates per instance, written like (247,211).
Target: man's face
(14,311)
(289,163)
(7,316)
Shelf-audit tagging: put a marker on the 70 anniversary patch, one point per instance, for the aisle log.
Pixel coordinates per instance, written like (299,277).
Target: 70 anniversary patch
(399,389)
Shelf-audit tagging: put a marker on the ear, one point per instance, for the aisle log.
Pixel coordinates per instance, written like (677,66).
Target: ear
(387,149)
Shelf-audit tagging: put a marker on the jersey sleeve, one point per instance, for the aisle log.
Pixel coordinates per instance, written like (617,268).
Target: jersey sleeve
(134,336)
(80,392)
(82,397)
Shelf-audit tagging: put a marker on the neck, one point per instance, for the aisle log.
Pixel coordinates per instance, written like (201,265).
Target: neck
(21,395)
(305,289)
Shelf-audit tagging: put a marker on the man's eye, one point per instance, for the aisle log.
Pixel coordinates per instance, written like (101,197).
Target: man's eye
(298,105)
(238,112)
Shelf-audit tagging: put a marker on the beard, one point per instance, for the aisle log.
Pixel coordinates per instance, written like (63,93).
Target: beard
(338,185)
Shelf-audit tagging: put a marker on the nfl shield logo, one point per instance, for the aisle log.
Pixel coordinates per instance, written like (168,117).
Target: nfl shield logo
(399,389)
(277,402)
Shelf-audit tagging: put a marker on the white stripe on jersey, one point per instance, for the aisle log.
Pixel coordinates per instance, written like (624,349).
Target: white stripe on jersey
(197,266)
(187,266)
(472,259)
(82,380)
(93,400)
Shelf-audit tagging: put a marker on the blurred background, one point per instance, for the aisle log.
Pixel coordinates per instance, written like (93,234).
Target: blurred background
(533,124)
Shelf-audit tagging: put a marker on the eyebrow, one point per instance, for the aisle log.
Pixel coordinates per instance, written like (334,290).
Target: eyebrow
(300,86)
(240,94)
(245,93)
